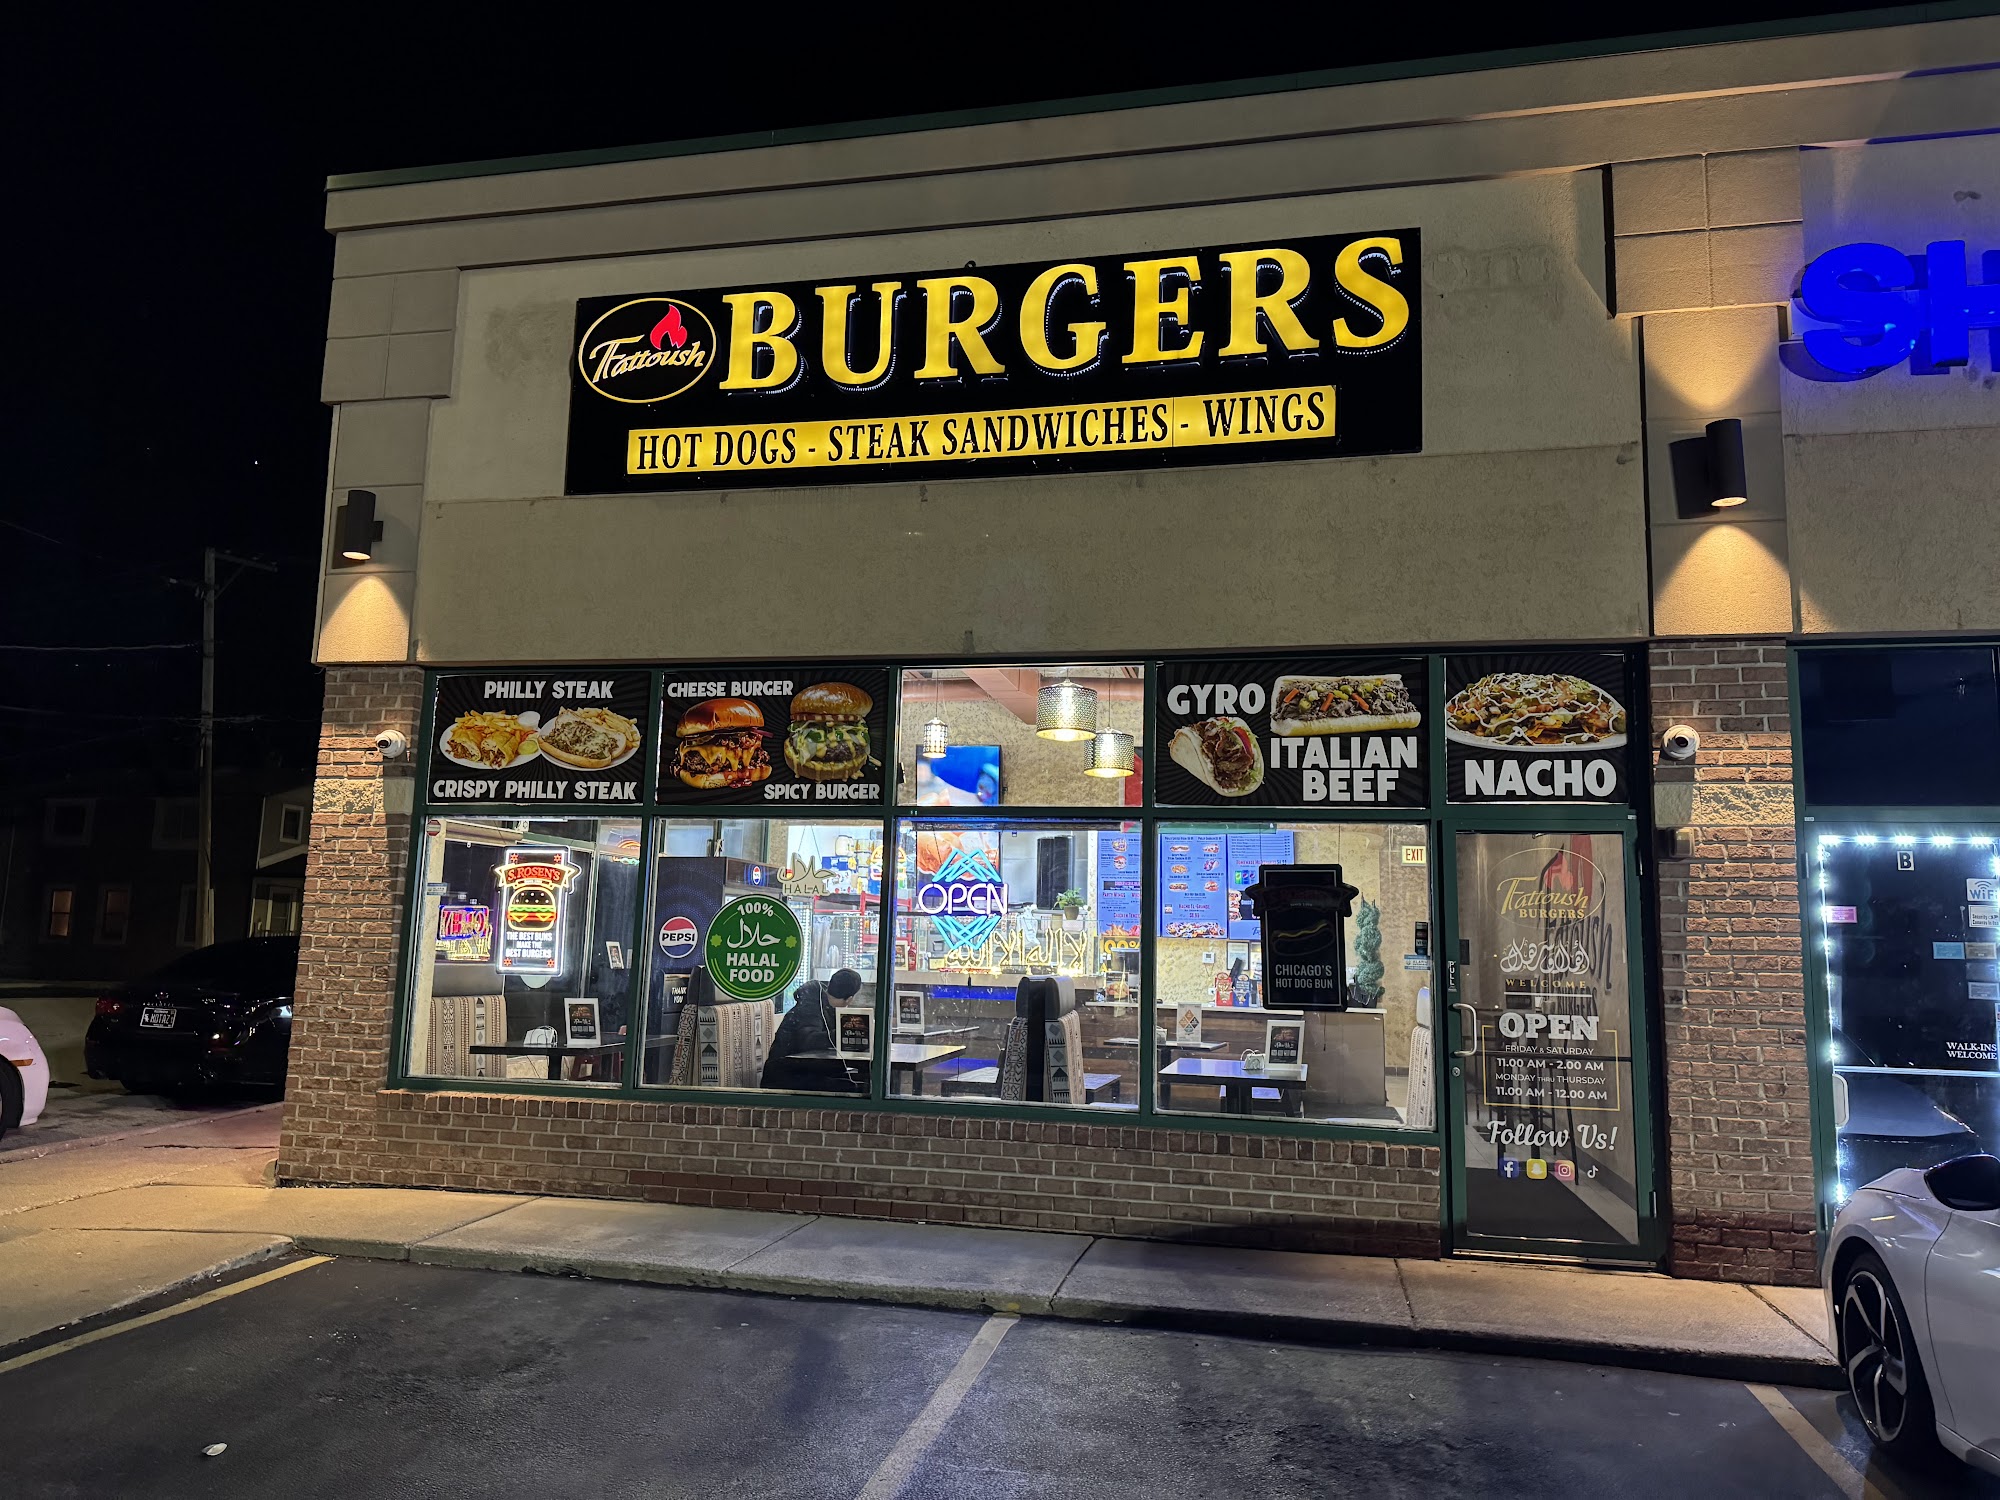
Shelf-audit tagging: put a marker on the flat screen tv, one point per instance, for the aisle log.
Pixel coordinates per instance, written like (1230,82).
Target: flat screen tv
(964,776)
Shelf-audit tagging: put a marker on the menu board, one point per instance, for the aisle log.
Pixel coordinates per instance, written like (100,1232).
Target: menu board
(1194,874)
(1304,732)
(1248,851)
(1118,889)
(570,735)
(761,734)
(1537,727)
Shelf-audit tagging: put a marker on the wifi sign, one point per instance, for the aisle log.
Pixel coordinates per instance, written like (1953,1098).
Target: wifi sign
(1887,307)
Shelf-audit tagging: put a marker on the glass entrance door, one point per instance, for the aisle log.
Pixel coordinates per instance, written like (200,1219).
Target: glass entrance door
(1549,1119)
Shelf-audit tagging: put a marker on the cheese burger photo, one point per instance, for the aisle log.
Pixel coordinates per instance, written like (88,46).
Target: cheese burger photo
(721,745)
(829,734)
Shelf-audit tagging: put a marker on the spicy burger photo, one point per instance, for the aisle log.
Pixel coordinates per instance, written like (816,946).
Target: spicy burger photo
(828,739)
(721,744)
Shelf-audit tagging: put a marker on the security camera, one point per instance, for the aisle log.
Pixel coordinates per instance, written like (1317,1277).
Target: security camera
(1680,742)
(391,743)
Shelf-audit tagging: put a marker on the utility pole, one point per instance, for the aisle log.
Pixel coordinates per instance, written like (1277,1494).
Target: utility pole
(204,872)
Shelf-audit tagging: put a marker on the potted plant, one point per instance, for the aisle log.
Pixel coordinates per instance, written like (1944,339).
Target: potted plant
(1070,904)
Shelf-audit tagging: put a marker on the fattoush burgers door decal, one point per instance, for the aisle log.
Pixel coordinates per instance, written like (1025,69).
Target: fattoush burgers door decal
(803,736)
(543,734)
(1537,727)
(1303,732)
(1306,347)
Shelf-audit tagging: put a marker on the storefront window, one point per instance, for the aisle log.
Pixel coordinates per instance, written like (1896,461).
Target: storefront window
(1017,962)
(1021,736)
(762,963)
(1906,924)
(523,964)
(1220,1051)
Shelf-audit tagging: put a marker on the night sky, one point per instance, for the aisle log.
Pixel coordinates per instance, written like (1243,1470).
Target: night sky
(167,327)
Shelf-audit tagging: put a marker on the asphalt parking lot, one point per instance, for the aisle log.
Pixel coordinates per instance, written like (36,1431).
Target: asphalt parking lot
(364,1378)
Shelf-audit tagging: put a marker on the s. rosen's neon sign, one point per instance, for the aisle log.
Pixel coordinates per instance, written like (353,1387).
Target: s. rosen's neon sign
(1887,307)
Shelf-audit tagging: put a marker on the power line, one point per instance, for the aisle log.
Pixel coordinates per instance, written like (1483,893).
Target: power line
(156,646)
(116,562)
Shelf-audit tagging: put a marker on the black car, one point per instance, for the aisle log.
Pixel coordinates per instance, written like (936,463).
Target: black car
(219,1017)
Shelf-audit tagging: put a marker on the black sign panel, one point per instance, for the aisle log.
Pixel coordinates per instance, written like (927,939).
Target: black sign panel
(1304,910)
(1301,348)
(1537,727)
(1298,732)
(542,734)
(804,736)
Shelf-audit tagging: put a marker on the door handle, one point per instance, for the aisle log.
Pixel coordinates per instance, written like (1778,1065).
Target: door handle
(1467,1027)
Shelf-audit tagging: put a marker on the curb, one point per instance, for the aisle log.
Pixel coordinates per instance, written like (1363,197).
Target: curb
(1268,1327)
(30,1151)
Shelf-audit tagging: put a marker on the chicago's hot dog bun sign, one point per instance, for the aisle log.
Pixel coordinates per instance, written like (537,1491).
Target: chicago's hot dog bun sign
(567,735)
(801,736)
(1302,347)
(1306,732)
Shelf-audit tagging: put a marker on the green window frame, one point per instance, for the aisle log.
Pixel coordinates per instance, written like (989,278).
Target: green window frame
(1440,818)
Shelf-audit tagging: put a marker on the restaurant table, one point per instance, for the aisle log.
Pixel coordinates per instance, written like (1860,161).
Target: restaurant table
(1166,1045)
(913,1057)
(1236,1083)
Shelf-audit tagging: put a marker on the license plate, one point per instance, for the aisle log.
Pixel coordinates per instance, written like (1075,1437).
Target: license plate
(161,1016)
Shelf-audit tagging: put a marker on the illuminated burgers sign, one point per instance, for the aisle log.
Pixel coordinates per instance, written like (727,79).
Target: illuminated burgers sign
(1301,348)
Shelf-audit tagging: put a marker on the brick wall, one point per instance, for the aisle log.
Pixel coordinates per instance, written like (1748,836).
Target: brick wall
(343,1126)
(1738,1125)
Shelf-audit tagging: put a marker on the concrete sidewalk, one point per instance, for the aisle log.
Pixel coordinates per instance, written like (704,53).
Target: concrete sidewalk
(64,1260)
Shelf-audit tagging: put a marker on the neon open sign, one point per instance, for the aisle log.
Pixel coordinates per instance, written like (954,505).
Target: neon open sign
(1886,307)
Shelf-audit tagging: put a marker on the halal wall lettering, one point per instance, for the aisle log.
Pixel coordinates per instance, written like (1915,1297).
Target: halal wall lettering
(569,735)
(1306,732)
(1303,348)
(1536,728)
(773,734)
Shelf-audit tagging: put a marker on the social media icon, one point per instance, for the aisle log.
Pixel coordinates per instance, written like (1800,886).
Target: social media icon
(1563,1171)
(1537,1168)
(1509,1167)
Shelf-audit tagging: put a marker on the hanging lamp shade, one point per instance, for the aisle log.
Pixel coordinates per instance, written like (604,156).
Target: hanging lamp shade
(935,740)
(1109,755)
(1066,711)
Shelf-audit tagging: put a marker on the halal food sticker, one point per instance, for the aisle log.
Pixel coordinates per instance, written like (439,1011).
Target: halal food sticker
(754,948)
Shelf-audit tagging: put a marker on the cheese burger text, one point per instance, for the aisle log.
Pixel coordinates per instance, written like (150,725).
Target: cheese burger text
(722,745)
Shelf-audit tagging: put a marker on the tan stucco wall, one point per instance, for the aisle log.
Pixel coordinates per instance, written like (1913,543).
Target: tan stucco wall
(1529,482)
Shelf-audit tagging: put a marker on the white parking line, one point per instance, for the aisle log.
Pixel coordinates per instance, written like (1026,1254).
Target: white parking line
(1850,1480)
(50,1351)
(894,1472)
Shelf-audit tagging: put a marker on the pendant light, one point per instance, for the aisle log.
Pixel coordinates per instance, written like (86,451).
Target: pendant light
(1109,755)
(1066,711)
(936,738)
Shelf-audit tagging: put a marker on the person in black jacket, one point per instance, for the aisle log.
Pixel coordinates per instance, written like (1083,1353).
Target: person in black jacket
(809,1027)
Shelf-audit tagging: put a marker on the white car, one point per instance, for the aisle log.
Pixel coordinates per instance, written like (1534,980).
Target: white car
(1913,1290)
(24,1073)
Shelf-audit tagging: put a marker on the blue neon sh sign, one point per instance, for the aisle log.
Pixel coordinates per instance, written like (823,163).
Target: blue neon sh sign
(1886,308)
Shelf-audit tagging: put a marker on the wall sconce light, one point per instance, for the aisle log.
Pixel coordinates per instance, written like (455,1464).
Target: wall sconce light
(935,740)
(1709,471)
(1066,711)
(355,529)
(1109,755)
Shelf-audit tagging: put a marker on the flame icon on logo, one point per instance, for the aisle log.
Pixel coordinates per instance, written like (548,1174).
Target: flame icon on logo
(670,328)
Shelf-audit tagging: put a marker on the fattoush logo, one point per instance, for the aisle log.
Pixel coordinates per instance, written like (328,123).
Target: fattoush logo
(646,350)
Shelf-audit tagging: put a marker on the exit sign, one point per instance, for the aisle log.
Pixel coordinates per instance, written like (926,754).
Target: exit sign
(1415,854)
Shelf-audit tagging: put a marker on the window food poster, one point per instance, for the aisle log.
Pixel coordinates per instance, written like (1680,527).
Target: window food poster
(1537,727)
(1118,888)
(761,735)
(570,735)
(1305,732)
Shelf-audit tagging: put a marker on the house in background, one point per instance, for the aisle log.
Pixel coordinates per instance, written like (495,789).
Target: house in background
(98,879)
